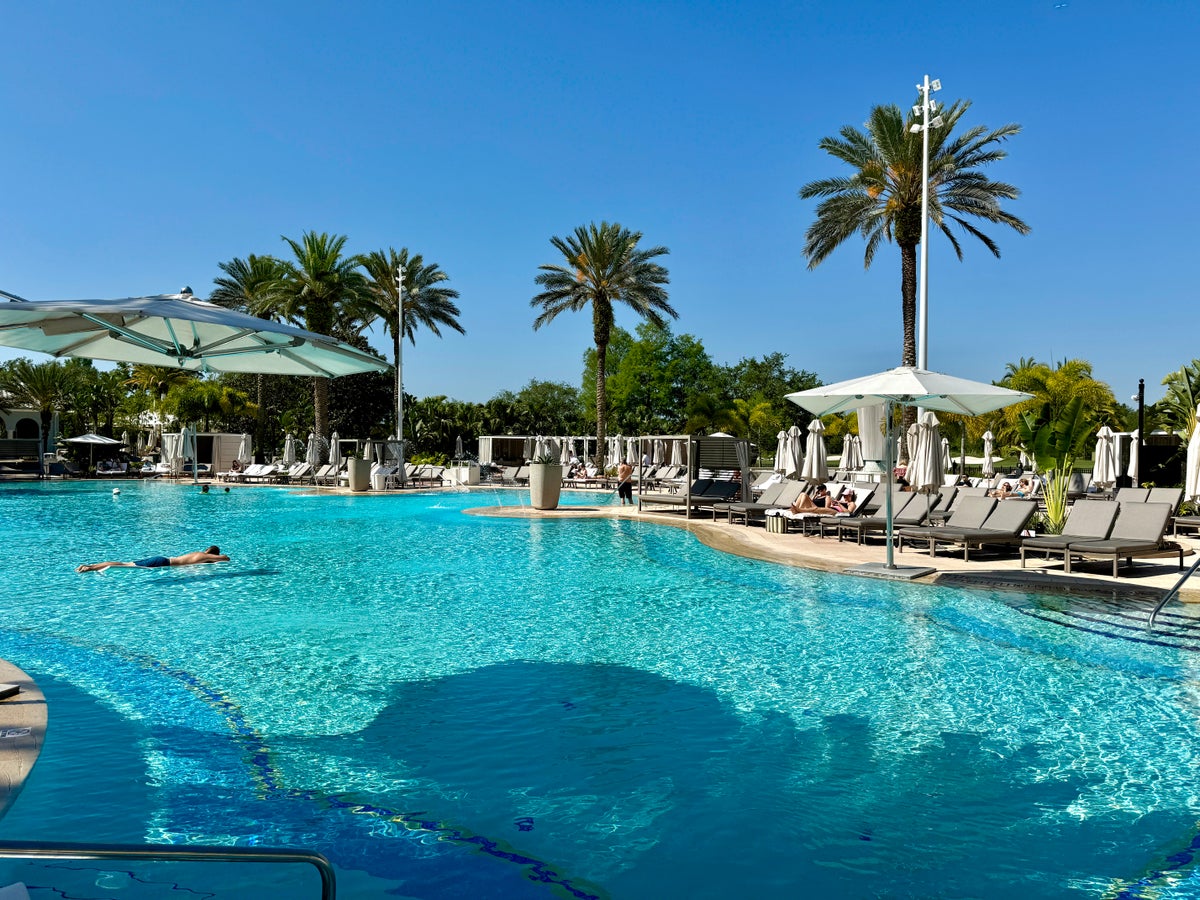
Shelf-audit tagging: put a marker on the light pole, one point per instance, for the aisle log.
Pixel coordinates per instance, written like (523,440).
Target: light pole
(400,366)
(1141,402)
(923,111)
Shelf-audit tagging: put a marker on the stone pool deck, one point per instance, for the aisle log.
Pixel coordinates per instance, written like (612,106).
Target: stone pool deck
(22,730)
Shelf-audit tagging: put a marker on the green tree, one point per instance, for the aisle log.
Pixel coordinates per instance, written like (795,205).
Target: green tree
(603,266)
(428,301)
(324,290)
(881,198)
(1053,387)
(659,375)
(549,408)
(203,400)
(1177,409)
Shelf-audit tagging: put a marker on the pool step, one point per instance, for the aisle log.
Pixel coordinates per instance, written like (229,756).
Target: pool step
(1124,620)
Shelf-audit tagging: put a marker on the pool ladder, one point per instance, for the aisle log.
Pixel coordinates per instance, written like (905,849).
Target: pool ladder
(39,850)
(1172,593)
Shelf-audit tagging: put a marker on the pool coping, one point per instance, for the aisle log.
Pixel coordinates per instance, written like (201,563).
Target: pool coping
(23,719)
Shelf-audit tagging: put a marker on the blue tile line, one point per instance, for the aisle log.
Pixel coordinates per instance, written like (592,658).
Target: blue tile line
(264,773)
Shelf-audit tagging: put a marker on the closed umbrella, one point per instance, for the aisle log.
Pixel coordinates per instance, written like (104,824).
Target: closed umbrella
(631,450)
(926,468)
(564,456)
(289,449)
(870,421)
(742,449)
(794,463)
(989,464)
(246,450)
(945,447)
(660,452)
(125,438)
(912,437)
(1104,459)
(1132,471)
(312,451)
(816,467)
(677,453)
(458,451)
(1191,475)
(855,463)
(187,444)
(781,452)
(368,449)
(335,451)
(847,452)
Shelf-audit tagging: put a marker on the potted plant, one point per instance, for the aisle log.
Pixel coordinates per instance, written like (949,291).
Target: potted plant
(545,482)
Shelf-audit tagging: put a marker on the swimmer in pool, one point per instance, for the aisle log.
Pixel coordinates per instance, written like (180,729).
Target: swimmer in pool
(211,555)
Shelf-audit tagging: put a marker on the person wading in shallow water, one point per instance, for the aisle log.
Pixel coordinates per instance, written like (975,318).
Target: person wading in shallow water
(211,555)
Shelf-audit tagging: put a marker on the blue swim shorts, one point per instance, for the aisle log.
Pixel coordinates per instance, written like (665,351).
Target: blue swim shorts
(153,562)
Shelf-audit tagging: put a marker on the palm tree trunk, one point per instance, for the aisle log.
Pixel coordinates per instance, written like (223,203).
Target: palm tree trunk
(908,356)
(261,418)
(601,402)
(321,405)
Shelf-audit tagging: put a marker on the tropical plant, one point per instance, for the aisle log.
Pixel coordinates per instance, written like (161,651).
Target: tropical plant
(1054,387)
(881,199)
(322,289)
(1177,409)
(603,266)
(252,285)
(1056,440)
(427,302)
(201,400)
(41,386)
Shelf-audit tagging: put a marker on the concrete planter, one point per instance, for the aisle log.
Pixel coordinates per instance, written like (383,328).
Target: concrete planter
(545,485)
(358,472)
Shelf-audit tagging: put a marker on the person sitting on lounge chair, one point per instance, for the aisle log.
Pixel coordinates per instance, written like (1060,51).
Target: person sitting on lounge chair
(817,502)
(1006,490)
(843,504)
(211,555)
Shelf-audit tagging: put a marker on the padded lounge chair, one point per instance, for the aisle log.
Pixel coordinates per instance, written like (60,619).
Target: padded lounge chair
(862,494)
(1132,495)
(970,514)
(1003,526)
(1138,531)
(1087,520)
(907,509)
(776,496)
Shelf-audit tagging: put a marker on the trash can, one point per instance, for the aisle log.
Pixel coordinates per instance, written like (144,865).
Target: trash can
(378,482)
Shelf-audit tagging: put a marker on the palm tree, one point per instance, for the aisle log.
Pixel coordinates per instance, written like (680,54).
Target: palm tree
(881,199)
(320,289)
(41,386)
(603,266)
(251,285)
(427,302)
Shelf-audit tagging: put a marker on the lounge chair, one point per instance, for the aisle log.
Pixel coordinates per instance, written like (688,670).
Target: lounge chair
(862,493)
(705,492)
(1087,520)
(1132,495)
(777,496)
(521,476)
(1138,532)
(971,513)
(907,509)
(1003,526)
(1171,496)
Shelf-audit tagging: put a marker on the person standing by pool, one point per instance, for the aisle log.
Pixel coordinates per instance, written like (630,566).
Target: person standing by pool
(624,485)
(211,555)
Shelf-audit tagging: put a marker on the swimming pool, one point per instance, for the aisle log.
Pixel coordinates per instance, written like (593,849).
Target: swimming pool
(450,705)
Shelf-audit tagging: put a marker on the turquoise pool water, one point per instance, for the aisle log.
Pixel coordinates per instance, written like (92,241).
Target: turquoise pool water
(451,705)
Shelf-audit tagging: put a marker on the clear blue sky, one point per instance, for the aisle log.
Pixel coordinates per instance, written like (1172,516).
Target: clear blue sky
(145,143)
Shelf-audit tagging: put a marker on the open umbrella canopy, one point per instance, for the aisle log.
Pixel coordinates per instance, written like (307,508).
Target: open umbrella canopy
(1104,459)
(175,329)
(98,440)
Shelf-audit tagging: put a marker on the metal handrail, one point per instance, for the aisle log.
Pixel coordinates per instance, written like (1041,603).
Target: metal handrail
(1172,593)
(173,853)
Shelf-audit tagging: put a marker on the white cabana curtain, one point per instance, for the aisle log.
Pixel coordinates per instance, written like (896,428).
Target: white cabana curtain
(870,429)
(742,448)
(1191,473)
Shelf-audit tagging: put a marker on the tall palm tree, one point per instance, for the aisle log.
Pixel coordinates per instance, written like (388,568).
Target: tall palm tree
(427,302)
(603,266)
(41,386)
(320,288)
(881,198)
(251,285)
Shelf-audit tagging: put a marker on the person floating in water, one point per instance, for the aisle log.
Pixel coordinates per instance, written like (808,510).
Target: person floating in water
(211,555)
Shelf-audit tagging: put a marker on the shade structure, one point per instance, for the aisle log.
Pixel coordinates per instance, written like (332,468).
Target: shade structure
(927,467)
(179,330)
(905,386)
(93,441)
(125,439)
(816,466)
(1104,459)
(989,464)
(781,451)
(335,451)
(1191,473)
(289,449)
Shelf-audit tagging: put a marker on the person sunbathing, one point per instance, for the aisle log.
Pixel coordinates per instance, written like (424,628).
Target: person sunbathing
(211,555)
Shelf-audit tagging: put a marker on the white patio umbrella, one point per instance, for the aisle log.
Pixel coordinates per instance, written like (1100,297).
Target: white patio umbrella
(847,452)
(187,450)
(677,453)
(855,461)
(989,464)
(176,330)
(927,465)
(1132,471)
(458,450)
(246,450)
(905,386)
(911,439)
(1104,459)
(945,450)
(816,466)
(289,449)
(368,451)
(1191,473)
(631,451)
(564,456)
(660,452)
(335,451)
(781,452)
(312,450)
(125,439)
(794,462)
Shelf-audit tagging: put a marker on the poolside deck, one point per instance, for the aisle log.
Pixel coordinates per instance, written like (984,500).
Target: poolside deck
(22,730)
